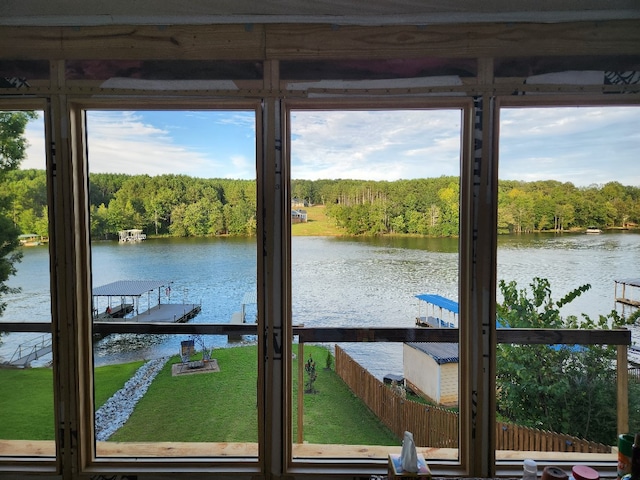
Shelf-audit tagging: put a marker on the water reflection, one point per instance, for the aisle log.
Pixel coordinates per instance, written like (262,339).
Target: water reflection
(355,282)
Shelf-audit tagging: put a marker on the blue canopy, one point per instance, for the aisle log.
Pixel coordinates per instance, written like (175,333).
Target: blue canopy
(439,301)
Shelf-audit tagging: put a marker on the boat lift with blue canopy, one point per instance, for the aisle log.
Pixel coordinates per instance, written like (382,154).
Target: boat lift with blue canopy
(436,308)
(436,320)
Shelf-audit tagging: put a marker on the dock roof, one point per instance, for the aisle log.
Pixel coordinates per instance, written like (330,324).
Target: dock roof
(128,288)
(634,282)
(439,301)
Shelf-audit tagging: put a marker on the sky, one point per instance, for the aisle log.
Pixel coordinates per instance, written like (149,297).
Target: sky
(585,146)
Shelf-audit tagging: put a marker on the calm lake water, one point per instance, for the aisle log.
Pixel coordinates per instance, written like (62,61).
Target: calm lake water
(335,282)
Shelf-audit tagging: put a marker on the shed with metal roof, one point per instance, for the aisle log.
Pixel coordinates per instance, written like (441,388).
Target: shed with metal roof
(431,370)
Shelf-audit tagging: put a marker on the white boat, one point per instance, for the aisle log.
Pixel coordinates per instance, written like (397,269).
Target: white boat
(593,230)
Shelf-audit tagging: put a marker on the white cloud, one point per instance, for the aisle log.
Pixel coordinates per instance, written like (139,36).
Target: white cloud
(375,145)
(589,145)
(123,142)
(35,153)
(119,142)
(582,145)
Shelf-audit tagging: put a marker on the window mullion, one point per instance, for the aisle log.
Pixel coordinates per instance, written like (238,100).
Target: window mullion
(478,283)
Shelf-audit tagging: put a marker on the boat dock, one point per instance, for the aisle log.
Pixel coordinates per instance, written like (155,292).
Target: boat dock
(436,307)
(125,300)
(250,298)
(115,311)
(168,312)
(623,298)
(131,236)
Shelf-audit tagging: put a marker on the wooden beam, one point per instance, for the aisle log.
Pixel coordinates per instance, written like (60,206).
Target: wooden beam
(121,42)
(290,42)
(317,41)
(622,368)
(539,336)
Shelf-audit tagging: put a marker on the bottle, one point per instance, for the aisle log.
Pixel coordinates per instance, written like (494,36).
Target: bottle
(530,470)
(635,460)
(625,444)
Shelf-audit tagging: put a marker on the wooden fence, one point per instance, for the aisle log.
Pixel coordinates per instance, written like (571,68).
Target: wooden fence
(437,427)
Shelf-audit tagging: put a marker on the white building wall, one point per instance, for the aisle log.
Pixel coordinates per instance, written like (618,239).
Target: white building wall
(421,371)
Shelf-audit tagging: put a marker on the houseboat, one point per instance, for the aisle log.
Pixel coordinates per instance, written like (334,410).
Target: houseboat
(31,240)
(132,235)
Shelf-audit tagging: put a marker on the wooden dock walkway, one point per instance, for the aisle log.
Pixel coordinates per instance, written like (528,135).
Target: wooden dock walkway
(624,299)
(168,312)
(117,311)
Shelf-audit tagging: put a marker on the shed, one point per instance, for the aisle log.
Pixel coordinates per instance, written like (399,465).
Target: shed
(431,370)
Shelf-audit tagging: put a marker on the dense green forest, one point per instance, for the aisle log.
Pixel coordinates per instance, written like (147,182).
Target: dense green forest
(179,205)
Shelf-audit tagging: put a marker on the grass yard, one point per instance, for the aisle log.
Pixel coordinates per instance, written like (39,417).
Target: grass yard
(26,398)
(334,415)
(201,407)
(222,406)
(317,224)
(26,404)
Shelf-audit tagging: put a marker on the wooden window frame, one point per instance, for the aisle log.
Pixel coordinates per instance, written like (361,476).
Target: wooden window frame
(64,105)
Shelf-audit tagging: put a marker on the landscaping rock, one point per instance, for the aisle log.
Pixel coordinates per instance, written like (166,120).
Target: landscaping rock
(117,410)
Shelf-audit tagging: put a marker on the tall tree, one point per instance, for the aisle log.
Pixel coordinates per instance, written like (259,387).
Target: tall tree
(13,145)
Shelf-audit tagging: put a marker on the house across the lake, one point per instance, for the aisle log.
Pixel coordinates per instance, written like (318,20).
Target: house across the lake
(298,216)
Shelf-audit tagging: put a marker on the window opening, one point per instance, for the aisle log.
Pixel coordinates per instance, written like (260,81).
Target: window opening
(374,223)
(27,422)
(569,192)
(173,249)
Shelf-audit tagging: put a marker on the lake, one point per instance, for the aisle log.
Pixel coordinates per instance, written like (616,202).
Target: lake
(335,282)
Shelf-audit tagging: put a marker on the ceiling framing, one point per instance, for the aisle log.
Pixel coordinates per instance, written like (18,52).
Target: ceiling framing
(337,12)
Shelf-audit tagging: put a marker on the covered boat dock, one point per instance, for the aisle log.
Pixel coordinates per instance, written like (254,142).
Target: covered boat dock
(436,308)
(154,311)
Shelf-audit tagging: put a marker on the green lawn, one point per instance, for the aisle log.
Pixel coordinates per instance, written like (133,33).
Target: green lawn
(317,224)
(334,414)
(26,398)
(26,404)
(222,406)
(207,407)
(203,407)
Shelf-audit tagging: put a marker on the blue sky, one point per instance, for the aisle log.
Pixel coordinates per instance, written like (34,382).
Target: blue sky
(589,145)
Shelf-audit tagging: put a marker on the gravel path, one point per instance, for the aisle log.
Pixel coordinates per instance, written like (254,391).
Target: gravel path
(117,410)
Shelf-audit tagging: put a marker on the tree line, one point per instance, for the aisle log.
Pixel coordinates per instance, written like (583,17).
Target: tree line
(175,205)
(430,206)
(178,205)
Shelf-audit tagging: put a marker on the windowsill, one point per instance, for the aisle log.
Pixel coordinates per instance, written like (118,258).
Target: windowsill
(306,451)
